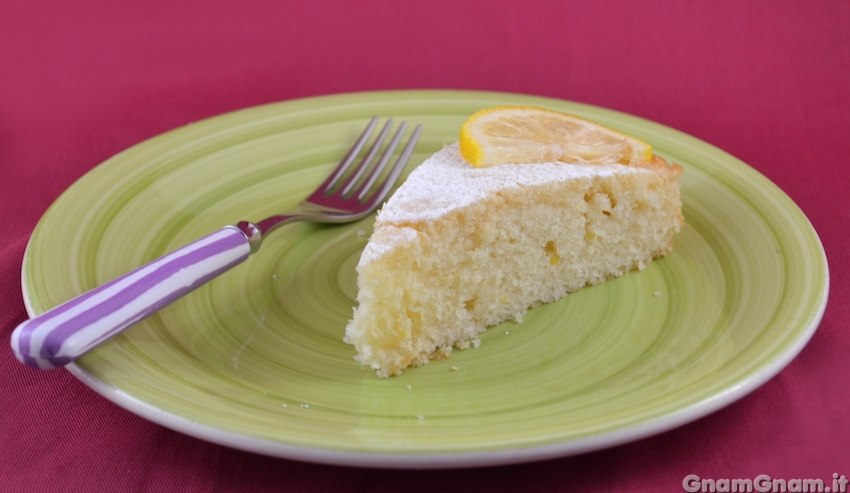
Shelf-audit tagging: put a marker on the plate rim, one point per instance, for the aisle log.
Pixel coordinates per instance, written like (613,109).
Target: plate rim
(433,460)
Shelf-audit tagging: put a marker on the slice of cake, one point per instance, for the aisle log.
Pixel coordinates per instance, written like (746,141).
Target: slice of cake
(459,248)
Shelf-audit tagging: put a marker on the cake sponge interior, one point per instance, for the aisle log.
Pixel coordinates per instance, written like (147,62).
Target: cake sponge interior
(426,286)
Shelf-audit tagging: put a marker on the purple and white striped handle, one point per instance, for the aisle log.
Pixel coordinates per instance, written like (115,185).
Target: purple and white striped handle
(62,334)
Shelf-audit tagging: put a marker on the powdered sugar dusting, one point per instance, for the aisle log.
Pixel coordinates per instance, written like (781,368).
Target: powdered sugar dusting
(386,241)
(446,182)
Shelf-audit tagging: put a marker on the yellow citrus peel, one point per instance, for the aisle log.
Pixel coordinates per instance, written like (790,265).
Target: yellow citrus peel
(528,134)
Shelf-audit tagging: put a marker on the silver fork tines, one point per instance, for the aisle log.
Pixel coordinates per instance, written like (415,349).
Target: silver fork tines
(333,202)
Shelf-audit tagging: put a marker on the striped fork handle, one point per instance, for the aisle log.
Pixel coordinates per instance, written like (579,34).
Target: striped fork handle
(64,333)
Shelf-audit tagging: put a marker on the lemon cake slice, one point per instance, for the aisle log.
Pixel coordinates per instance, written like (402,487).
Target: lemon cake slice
(459,248)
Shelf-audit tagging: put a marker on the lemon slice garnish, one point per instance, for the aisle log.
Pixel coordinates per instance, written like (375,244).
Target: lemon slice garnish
(528,134)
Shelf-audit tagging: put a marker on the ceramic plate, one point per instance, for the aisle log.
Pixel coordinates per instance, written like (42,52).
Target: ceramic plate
(255,359)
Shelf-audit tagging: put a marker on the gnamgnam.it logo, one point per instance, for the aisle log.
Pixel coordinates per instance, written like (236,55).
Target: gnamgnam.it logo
(764,483)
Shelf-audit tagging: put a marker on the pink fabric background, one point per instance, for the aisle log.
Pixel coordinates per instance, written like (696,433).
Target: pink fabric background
(767,81)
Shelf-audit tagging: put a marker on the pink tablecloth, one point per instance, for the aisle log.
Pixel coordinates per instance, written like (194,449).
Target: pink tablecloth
(767,81)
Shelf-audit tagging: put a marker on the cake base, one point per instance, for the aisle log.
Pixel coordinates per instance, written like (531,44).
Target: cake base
(428,285)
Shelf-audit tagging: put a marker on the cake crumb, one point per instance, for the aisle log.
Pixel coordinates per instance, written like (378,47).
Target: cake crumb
(443,265)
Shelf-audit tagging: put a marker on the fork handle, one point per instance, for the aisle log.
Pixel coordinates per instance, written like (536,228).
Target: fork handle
(62,334)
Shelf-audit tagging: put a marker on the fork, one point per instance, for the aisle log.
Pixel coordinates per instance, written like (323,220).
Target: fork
(64,333)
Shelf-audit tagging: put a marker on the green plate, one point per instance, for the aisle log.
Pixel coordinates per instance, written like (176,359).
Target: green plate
(255,359)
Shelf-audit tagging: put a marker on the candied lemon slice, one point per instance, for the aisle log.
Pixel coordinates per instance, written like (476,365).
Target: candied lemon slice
(527,134)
